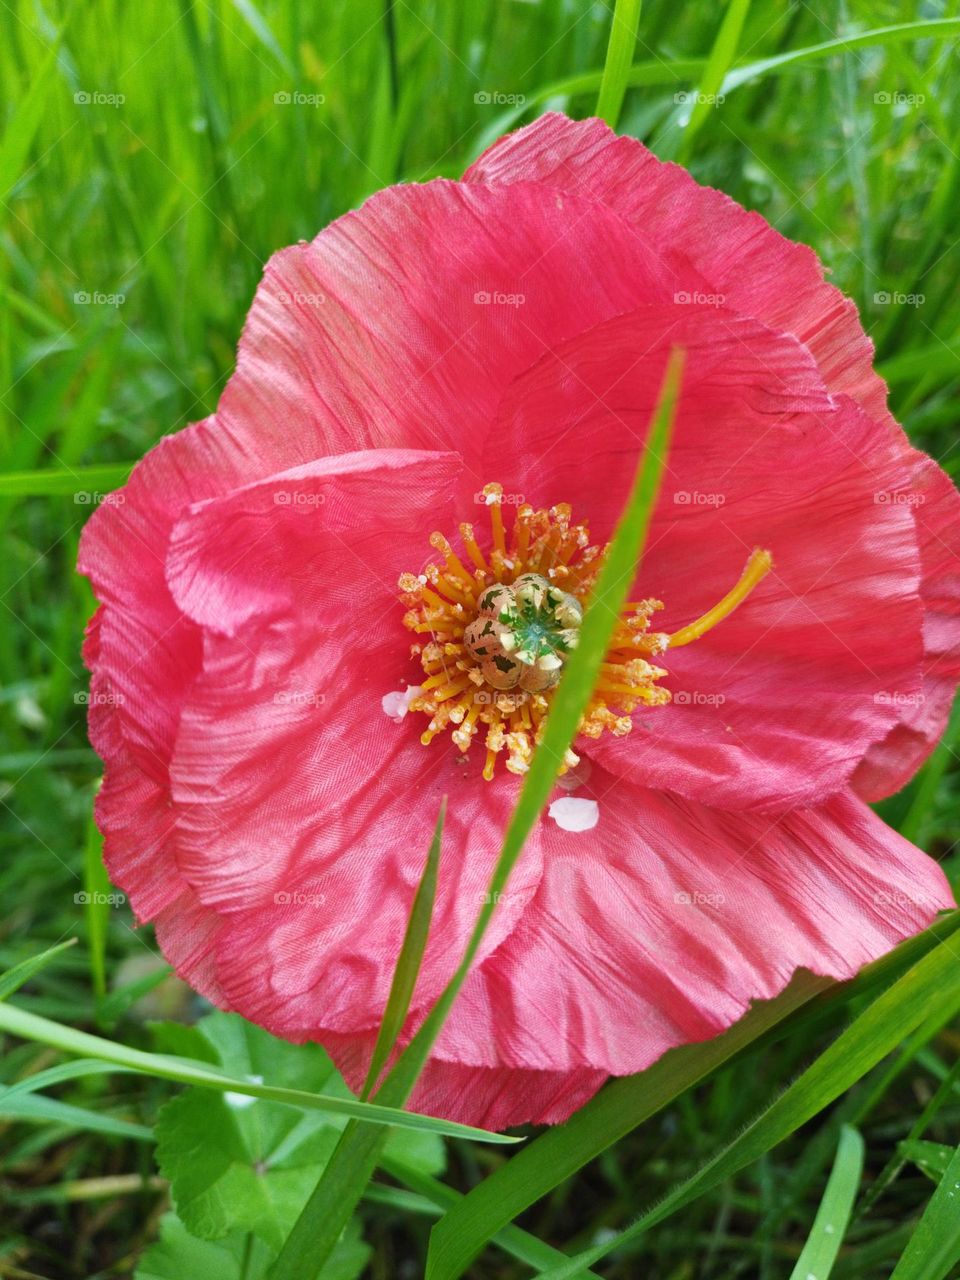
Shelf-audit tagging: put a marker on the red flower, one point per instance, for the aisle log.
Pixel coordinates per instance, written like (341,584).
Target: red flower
(269,799)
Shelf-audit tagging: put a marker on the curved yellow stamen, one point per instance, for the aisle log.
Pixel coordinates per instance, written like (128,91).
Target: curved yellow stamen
(757,568)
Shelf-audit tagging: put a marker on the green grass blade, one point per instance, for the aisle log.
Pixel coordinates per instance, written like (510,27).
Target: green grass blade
(14,978)
(535,1170)
(409,960)
(670,71)
(929,989)
(512,1240)
(826,1235)
(351,1166)
(718,64)
(347,1173)
(620,49)
(571,698)
(29,1026)
(96,907)
(74,1070)
(934,1247)
(931,1158)
(85,483)
(39,1110)
(21,131)
(933,28)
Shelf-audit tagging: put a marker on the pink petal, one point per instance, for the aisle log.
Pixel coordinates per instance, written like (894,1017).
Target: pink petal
(659,926)
(304,814)
(495,1098)
(712,244)
(378,363)
(777,704)
(933,499)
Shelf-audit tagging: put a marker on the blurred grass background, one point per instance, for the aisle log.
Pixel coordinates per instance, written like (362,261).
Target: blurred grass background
(154,156)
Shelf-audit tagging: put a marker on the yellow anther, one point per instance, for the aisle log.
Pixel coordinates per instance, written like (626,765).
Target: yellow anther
(757,568)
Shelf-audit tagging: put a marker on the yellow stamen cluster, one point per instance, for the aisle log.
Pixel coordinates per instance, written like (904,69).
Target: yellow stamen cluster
(444,600)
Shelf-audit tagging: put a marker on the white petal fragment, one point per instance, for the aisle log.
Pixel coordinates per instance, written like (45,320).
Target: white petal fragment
(397,704)
(572,813)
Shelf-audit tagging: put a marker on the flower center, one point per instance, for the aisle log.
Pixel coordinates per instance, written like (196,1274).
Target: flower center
(493,637)
(523,633)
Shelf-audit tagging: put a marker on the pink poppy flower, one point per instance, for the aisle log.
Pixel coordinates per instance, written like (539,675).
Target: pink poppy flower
(478,361)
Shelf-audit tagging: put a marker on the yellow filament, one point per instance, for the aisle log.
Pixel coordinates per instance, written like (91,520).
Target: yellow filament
(495,491)
(757,568)
(473,550)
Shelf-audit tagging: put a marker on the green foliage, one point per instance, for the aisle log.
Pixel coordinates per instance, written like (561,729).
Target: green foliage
(240,1166)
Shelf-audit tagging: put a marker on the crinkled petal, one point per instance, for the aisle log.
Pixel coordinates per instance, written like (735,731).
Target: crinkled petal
(304,812)
(660,925)
(714,245)
(888,765)
(493,1097)
(402,322)
(777,704)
